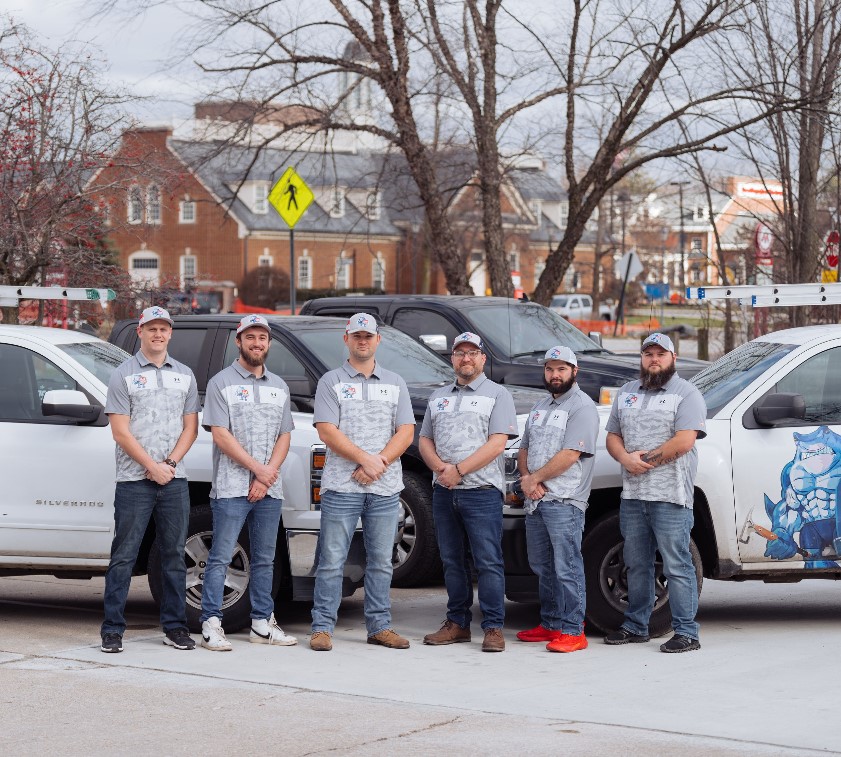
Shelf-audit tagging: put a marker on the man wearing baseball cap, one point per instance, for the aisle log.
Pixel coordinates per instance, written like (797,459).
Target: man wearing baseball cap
(556,460)
(364,415)
(153,407)
(465,429)
(652,430)
(248,412)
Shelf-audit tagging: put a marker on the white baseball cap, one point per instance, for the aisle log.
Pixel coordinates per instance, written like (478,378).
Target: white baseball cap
(362,322)
(468,337)
(155,313)
(561,353)
(661,340)
(253,320)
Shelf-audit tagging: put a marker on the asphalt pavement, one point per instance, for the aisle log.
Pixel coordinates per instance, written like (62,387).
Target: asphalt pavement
(756,687)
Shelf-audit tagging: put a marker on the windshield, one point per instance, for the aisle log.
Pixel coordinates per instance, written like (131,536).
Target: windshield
(728,375)
(522,329)
(99,358)
(397,351)
(559,302)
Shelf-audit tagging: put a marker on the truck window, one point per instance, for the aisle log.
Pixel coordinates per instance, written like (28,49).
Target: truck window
(817,380)
(25,379)
(416,322)
(186,345)
(280,360)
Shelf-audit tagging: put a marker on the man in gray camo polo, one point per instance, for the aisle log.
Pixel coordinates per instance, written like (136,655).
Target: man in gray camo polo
(247,410)
(364,415)
(153,407)
(651,432)
(464,432)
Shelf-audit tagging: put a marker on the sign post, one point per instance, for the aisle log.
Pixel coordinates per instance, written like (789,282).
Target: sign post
(291,197)
(628,267)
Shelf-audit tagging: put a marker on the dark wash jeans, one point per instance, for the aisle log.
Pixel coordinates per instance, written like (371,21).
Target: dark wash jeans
(135,502)
(471,518)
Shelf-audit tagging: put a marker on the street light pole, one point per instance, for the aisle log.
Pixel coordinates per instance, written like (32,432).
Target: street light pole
(682,277)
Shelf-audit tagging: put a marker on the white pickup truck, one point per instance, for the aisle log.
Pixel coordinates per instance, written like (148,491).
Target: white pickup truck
(769,475)
(57,478)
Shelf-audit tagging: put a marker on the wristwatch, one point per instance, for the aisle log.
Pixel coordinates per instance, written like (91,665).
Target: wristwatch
(170,462)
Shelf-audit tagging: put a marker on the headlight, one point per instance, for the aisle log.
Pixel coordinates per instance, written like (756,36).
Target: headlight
(607,394)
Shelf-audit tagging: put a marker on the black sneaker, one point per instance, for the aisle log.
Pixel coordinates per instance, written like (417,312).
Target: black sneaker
(179,638)
(112,642)
(680,643)
(624,636)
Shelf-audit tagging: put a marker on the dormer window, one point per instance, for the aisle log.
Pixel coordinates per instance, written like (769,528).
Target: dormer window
(372,206)
(337,202)
(260,198)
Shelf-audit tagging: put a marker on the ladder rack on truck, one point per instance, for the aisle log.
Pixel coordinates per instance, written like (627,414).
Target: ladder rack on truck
(10,296)
(771,295)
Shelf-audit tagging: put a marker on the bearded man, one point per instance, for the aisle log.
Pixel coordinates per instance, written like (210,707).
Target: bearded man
(651,432)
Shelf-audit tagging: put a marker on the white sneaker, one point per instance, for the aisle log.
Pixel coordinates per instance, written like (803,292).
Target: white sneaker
(213,637)
(269,632)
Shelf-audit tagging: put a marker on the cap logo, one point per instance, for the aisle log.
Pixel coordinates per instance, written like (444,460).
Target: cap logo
(254,319)
(554,354)
(157,312)
(362,321)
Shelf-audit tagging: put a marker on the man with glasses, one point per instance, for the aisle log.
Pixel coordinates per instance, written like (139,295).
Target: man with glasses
(464,432)
(364,415)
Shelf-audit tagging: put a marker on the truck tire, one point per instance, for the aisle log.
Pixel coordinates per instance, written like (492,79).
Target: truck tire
(236,604)
(606,579)
(418,561)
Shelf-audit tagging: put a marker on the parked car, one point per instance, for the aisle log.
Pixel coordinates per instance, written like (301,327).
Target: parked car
(516,334)
(579,307)
(57,474)
(303,349)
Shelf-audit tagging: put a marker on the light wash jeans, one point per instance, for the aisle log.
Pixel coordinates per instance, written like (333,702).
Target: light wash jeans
(646,528)
(553,536)
(229,516)
(135,502)
(340,512)
(471,519)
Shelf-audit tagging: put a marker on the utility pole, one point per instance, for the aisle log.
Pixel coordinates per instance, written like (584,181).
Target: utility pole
(682,277)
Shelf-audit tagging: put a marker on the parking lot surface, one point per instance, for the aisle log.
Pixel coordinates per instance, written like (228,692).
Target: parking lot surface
(759,686)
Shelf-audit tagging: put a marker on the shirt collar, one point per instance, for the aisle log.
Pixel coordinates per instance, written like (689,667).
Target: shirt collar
(473,385)
(352,372)
(144,361)
(245,373)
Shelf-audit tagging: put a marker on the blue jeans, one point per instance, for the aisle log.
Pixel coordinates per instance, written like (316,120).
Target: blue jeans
(135,502)
(340,512)
(646,528)
(229,516)
(471,519)
(553,535)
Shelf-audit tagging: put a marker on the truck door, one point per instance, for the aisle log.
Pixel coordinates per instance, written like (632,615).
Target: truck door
(787,478)
(57,496)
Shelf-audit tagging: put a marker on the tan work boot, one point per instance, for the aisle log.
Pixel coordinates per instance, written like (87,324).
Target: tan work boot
(494,641)
(388,638)
(320,641)
(449,633)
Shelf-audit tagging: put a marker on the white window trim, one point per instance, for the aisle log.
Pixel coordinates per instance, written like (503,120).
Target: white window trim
(135,193)
(181,206)
(373,206)
(266,261)
(343,271)
(378,266)
(153,280)
(260,198)
(337,202)
(182,269)
(305,271)
(153,201)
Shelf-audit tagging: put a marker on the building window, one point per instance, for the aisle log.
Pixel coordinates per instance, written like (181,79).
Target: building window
(188,265)
(372,206)
(265,261)
(305,271)
(564,214)
(337,202)
(570,282)
(187,212)
(378,272)
(343,271)
(144,268)
(135,205)
(696,244)
(153,205)
(513,260)
(702,212)
(537,210)
(261,198)
(539,268)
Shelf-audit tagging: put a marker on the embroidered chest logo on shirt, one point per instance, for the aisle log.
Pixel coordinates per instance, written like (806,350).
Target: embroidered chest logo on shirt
(536,416)
(242,393)
(442,405)
(630,400)
(139,381)
(348,391)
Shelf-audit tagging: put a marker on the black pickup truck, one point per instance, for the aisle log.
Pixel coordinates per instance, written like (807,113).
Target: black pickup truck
(516,335)
(303,349)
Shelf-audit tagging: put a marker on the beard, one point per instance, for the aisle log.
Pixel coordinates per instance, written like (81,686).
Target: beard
(252,360)
(561,387)
(653,381)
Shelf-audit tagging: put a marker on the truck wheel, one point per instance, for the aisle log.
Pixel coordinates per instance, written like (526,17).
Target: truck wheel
(607,585)
(418,561)
(236,604)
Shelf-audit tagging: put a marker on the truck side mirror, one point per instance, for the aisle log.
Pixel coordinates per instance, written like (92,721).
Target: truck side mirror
(69,403)
(778,407)
(437,342)
(596,336)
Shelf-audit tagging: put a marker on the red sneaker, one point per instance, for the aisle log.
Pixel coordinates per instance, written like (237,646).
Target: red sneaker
(539,633)
(568,643)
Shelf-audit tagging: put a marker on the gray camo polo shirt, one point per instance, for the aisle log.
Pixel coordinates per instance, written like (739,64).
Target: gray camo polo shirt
(570,421)
(367,411)
(156,401)
(645,420)
(256,411)
(459,420)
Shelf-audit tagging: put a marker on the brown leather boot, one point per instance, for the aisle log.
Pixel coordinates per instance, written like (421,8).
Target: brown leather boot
(494,641)
(389,638)
(449,633)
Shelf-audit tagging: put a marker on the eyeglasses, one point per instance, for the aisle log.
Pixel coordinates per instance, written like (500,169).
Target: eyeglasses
(461,354)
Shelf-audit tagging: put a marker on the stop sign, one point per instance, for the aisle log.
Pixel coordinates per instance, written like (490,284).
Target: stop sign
(832,240)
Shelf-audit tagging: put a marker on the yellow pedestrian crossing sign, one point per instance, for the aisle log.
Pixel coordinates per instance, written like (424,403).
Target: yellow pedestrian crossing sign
(290,197)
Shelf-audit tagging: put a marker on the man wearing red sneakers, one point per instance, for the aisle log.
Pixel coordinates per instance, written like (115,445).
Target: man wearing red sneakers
(556,473)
